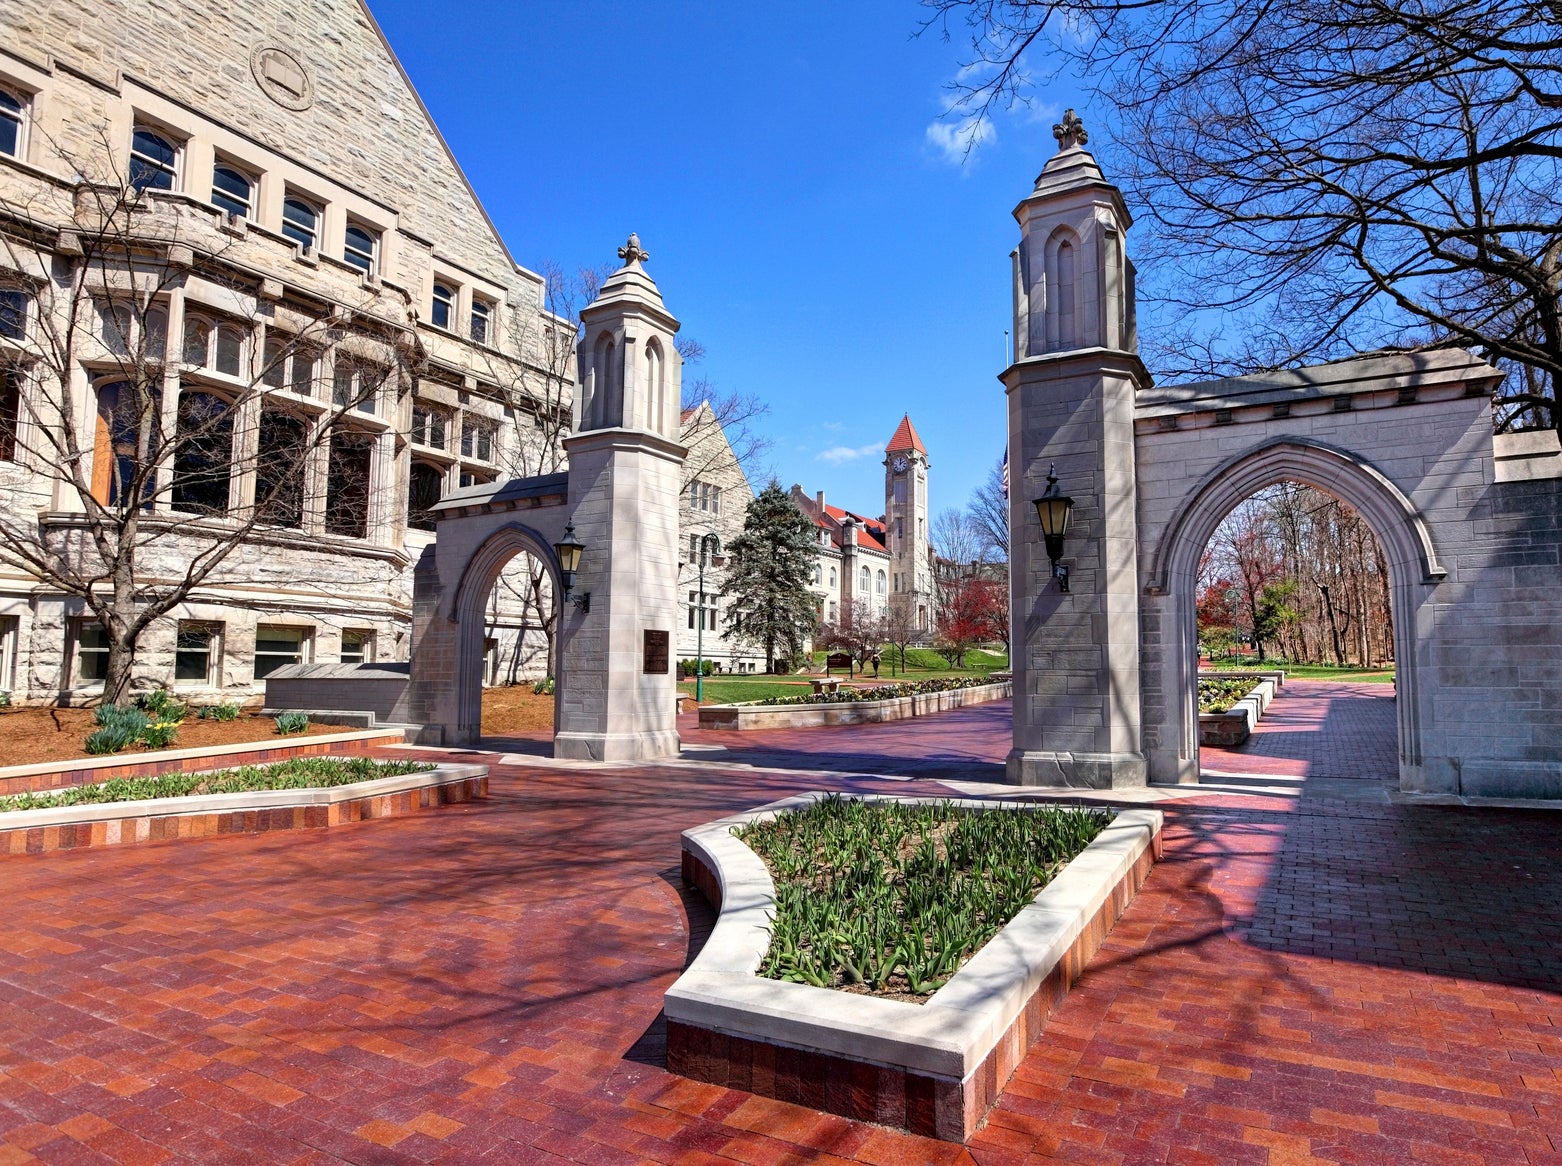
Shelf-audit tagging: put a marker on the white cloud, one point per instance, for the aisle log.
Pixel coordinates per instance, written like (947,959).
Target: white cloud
(837,454)
(956,140)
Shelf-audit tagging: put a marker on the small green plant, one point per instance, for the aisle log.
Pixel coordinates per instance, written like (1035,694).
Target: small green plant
(108,739)
(289,723)
(120,727)
(5,699)
(160,734)
(543,687)
(226,711)
(1216,696)
(161,705)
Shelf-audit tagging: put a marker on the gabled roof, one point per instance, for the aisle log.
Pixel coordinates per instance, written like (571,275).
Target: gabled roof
(906,438)
(870,532)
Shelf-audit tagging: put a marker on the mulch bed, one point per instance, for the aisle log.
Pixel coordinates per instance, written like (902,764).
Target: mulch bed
(31,735)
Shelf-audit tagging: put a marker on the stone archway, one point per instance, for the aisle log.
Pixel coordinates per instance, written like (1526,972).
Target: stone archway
(1170,584)
(467,611)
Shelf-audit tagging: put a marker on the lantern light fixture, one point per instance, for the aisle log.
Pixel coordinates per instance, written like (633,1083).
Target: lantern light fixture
(568,550)
(1053,510)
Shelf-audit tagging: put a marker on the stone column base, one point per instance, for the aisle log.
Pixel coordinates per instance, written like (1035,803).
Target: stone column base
(575,746)
(1077,770)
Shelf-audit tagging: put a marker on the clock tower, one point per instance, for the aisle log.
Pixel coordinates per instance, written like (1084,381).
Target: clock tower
(906,525)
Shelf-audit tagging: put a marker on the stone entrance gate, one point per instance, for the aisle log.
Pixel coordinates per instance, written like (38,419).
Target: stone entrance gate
(1105,672)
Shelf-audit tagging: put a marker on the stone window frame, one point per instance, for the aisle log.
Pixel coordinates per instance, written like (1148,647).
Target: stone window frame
(430,420)
(119,328)
(364,639)
(10,639)
(16,108)
(221,335)
(474,429)
(879,584)
(480,321)
(184,470)
(280,369)
(421,517)
(79,653)
(16,315)
(147,164)
(212,651)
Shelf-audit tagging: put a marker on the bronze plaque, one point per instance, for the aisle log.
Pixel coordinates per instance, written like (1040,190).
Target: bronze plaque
(657,657)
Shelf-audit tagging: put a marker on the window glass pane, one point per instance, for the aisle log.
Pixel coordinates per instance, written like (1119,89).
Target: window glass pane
(347,484)
(298,221)
(443,299)
(230,349)
(424,484)
(279,470)
(156,332)
(193,655)
(114,320)
(479,322)
(274,359)
(197,341)
(231,190)
(276,648)
(204,457)
(120,412)
(92,652)
(152,159)
(342,383)
(10,123)
(359,250)
(10,411)
(302,380)
(357,647)
(13,313)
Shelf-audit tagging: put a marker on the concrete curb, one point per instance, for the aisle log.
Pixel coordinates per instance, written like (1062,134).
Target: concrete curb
(937,1067)
(1236,724)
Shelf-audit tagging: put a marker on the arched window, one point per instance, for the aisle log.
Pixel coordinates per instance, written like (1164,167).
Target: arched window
(818,575)
(359,248)
(424,484)
(116,462)
(600,400)
(210,345)
(482,311)
(154,160)
(444,304)
(832,578)
(232,190)
(300,222)
(864,580)
(203,457)
(1067,337)
(348,477)
(12,112)
(881,582)
(654,386)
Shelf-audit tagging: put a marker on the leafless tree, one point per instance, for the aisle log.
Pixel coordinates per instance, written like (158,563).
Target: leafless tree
(149,458)
(1320,179)
(735,414)
(957,537)
(988,514)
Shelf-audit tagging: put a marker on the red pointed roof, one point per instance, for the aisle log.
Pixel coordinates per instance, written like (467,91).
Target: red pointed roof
(906,438)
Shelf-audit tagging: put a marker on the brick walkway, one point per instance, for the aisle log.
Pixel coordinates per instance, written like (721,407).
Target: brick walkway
(1319,729)
(1300,980)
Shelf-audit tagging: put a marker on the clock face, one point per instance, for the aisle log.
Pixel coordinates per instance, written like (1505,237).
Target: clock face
(900,465)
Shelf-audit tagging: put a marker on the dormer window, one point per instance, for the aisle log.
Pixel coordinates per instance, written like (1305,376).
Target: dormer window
(300,222)
(481,312)
(154,160)
(13,112)
(232,190)
(360,247)
(444,306)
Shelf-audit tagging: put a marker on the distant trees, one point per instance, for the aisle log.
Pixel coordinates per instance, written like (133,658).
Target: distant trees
(972,611)
(1296,568)
(1331,178)
(860,631)
(769,567)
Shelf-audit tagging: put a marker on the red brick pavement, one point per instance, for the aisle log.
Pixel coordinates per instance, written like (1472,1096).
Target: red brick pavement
(1300,980)
(1319,728)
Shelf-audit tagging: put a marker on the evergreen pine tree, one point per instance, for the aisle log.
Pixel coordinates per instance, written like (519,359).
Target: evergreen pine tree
(768,569)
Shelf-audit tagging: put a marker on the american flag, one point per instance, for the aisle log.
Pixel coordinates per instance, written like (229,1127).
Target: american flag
(1006,471)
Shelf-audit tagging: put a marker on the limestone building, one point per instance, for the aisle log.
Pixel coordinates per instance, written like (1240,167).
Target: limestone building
(716,494)
(247,298)
(886,561)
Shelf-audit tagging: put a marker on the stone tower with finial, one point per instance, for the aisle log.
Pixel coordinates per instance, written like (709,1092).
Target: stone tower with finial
(1077,716)
(625,469)
(906,519)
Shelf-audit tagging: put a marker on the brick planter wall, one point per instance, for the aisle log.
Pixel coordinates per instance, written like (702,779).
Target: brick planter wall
(19,779)
(848,712)
(160,819)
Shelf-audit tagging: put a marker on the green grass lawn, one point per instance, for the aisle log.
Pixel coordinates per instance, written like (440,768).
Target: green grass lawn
(1350,672)
(921,664)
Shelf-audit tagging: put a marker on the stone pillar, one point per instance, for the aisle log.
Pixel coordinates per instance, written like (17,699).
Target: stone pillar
(1071,397)
(619,701)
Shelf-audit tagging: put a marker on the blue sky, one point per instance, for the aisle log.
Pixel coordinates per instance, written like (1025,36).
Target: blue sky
(784,166)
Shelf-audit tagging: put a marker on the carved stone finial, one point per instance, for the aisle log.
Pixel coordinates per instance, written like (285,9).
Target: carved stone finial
(630,252)
(1070,132)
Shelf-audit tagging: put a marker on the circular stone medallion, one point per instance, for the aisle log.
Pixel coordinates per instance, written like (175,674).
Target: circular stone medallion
(283,77)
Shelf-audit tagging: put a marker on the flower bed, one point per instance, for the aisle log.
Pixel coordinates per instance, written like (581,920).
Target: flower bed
(933,1068)
(892,898)
(879,692)
(1231,704)
(1216,696)
(299,773)
(871,708)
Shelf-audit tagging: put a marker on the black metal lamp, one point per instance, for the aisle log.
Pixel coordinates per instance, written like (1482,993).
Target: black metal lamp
(568,551)
(1053,510)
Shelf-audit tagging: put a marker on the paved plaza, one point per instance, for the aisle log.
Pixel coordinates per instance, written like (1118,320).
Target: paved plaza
(1324,974)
